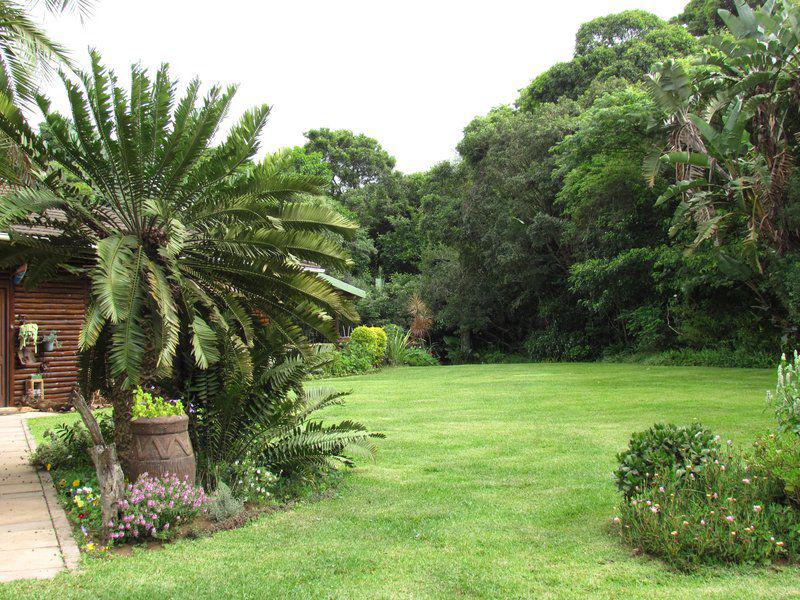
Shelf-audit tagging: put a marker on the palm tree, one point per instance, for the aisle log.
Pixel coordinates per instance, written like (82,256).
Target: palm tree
(26,54)
(187,246)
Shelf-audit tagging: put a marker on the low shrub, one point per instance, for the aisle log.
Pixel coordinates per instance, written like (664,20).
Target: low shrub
(552,345)
(662,450)
(148,406)
(224,505)
(499,357)
(725,516)
(67,446)
(352,359)
(690,504)
(419,357)
(153,506)
(707,357)
(777,457)
(372,339)
(400,352)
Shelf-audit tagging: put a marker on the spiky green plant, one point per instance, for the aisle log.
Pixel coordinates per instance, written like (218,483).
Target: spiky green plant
(187,245)
(397,349)
(269,418)
(26,51)
(27,54)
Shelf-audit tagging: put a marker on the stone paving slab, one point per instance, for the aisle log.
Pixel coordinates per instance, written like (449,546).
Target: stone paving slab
(16,488)
(32,538)
(35,537)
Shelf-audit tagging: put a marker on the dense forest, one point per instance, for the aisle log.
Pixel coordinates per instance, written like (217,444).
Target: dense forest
(637,202)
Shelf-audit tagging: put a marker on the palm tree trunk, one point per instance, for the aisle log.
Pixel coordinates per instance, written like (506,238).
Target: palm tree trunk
(122,402)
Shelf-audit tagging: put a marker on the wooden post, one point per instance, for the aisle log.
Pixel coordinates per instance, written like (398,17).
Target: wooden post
(109,471)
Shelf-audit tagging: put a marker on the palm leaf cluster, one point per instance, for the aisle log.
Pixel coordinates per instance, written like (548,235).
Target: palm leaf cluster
(733,118)
(269,418)
(27,55)
(26,51)
(189,246)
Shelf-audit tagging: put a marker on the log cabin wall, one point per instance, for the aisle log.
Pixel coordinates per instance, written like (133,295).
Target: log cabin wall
(56,306)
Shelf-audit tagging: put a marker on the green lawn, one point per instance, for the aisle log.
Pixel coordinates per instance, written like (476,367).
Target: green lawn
(494,481)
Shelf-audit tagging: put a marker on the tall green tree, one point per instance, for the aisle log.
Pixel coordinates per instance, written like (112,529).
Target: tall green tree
(734,146)
(701,17)
(355,160)
(620,45)
(188,246)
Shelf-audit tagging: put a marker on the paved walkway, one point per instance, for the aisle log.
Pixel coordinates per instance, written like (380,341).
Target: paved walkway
(35,537)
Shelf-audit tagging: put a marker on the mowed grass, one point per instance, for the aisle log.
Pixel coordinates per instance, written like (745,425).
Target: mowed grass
(494,481)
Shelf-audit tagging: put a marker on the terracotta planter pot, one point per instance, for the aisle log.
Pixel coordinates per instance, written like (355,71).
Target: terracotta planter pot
(161,445)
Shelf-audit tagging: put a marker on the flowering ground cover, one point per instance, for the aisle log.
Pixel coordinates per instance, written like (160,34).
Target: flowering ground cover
(493,481)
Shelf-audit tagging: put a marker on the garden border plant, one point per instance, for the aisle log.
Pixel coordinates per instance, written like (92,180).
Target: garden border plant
(691,502)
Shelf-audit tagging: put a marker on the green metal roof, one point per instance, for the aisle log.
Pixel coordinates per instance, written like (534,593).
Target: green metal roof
(341,285)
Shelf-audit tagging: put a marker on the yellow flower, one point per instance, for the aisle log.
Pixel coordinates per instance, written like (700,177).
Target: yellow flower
(79,502)
(47,466)
(76,483)
(89,546)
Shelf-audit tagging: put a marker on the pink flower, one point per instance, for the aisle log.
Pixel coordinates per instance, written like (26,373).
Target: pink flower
(757,508)
(730,518)
(746,481)
(702,521)
(617,520)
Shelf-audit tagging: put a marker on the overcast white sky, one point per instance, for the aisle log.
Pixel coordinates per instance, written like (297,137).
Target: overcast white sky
(411,74)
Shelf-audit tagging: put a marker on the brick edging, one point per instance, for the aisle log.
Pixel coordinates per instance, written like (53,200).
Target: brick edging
(66,542)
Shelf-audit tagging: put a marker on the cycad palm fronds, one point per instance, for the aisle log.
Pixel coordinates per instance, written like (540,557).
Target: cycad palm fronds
(27,55)
(188,247)
(270,418)
(185,243)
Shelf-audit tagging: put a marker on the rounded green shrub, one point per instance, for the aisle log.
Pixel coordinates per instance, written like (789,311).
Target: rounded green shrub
(372,339)
(727,516)
(663,449)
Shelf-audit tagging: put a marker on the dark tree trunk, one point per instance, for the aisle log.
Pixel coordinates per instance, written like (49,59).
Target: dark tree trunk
(466,342)
(122,402)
